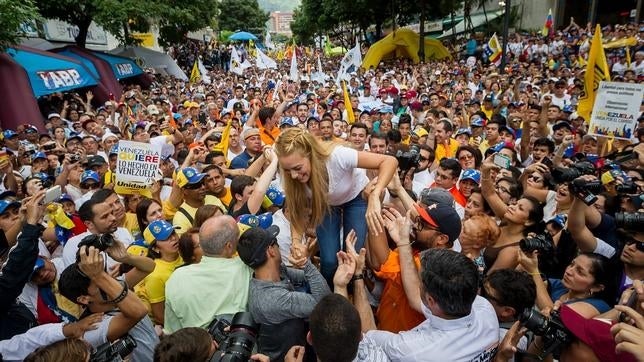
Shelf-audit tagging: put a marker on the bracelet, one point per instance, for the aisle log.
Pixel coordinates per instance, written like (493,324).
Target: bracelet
(536,273)
(357,277)
(121,296)
(393,195)
(399,245)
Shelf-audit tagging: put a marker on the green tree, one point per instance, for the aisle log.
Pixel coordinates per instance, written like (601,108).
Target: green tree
(120,17)
(14,14)
(242,15)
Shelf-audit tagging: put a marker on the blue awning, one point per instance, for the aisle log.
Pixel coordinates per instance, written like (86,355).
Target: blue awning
(122,67)
(86,62)
(50,73)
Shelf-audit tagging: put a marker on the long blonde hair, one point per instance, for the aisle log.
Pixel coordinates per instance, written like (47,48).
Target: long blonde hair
(297,140)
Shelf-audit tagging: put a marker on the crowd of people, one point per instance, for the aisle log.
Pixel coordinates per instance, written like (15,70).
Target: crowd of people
(451,212)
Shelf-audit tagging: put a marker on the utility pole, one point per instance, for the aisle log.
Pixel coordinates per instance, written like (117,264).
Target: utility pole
(506,28)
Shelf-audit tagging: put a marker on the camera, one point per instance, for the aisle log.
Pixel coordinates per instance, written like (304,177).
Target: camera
(409,159)
(542,243)
(552,330)
(238,344)
(73,158)
(114,352)
(216,330)
(630,220)
(564,174)
(100,242)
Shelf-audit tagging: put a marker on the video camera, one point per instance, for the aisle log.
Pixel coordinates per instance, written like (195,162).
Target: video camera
(408,159)
(633,221)
(100,242)
(552,331)
(114,352)
(236,344)
(567,174)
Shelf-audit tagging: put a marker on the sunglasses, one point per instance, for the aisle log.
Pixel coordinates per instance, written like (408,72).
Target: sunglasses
(90,186)
(638,244)
(196,186)
(421,225)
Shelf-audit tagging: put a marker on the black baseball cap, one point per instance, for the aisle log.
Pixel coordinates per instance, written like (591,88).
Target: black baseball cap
(253,244)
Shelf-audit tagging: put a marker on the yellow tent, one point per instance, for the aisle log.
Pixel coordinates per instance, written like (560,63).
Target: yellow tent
(403,43)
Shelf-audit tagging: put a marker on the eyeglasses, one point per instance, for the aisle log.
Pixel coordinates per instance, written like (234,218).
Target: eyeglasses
(423,158)
(420,225)
(196,186)
(90,186)
(638,244)
(502,189)
(535,178)
(465,157)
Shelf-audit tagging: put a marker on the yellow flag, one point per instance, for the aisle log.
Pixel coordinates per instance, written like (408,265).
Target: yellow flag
(58,217)
(347,104)
(195,75)
(596,71)
(628,57)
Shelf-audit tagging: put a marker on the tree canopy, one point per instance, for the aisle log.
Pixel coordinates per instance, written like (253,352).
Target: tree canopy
(120,17)
(14,14)
(242,15)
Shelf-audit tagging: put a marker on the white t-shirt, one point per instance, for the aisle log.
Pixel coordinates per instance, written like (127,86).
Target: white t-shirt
(346,180)
(71,247)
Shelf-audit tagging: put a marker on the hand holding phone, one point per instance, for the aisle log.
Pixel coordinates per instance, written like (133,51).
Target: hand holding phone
(502,161)
(52,194)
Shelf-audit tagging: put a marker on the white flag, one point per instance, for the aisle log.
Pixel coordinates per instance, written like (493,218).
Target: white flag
(263,61)
(350,63)
(268,42)
(204,72)
(319,75)
(293,74)
(236,64)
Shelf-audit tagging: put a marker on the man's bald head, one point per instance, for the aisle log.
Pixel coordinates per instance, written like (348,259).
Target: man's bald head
(216,232)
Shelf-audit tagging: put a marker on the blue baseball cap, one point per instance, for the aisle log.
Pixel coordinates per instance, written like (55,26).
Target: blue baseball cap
(559,219)
(6,204)
(466,131)
(39,264)
(276,196)
(472,174)
(89,175)
(38,155)
(114,150)
(265,220)
(189,176)
(64,197)
(477,122)
(158,230)
(286,121)
(9,133)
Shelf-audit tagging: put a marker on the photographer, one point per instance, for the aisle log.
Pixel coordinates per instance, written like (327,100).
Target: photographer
(89,285)
(273,301)
(15,318)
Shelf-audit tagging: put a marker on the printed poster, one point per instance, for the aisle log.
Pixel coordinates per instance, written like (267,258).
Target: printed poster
(616,109)
(137,167)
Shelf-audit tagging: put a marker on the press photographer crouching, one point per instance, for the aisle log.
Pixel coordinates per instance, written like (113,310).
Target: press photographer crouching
(222,341)
(88,284)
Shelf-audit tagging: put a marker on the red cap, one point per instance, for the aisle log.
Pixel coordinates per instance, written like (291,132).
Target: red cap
(595,333)
(416,106)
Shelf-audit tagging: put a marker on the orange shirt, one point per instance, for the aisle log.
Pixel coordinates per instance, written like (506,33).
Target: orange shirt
(394,313)
(456,193)
(268,137)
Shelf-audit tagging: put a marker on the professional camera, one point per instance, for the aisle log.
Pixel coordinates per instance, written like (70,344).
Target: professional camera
(542,243)
(114,352)
(630,220)
(409,159)
(239,341)
(216,330)
(552,330)
(564,174)
(100,242)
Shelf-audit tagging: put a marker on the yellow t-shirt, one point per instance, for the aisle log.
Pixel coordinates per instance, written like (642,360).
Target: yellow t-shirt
(152,289)
(446,151)
(131,224)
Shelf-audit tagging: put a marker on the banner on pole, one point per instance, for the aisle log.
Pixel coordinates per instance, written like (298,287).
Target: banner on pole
(137,167)
(616,109)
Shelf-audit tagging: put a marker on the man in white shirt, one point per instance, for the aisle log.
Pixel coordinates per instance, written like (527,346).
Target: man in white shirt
(456,329)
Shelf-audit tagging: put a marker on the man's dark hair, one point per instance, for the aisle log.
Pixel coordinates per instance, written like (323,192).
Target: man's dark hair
(102,194)
(447,125)
(513,289)
(451,279)
(393,136)
(212,167)
(499,119)
(265,113)
(404,118)
(545,141)
(452,165)
(359,125)
(378,136)
(86,211)
(186,344)
(213,154)
(239,183)
(73,283)
(335,329)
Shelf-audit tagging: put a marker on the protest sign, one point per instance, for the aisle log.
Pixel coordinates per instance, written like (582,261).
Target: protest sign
(137,167)
(616,109)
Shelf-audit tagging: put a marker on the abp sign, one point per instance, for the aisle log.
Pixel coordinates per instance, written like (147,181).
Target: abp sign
(54,79)
(125,69)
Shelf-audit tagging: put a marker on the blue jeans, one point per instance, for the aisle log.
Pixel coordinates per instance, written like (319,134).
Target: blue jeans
(350,215)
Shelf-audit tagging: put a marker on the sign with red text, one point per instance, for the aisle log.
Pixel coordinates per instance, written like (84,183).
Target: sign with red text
(616,110)
(137,167)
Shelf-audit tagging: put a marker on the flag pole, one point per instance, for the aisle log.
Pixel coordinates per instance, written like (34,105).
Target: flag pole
(506,27)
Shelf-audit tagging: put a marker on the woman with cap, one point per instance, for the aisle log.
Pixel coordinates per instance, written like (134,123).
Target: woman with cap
(163,247)
(329,179)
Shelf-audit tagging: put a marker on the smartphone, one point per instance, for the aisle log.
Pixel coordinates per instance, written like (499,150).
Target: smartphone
(629,303)
(52,194)
(546,161)
(502,161)
(49,146)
